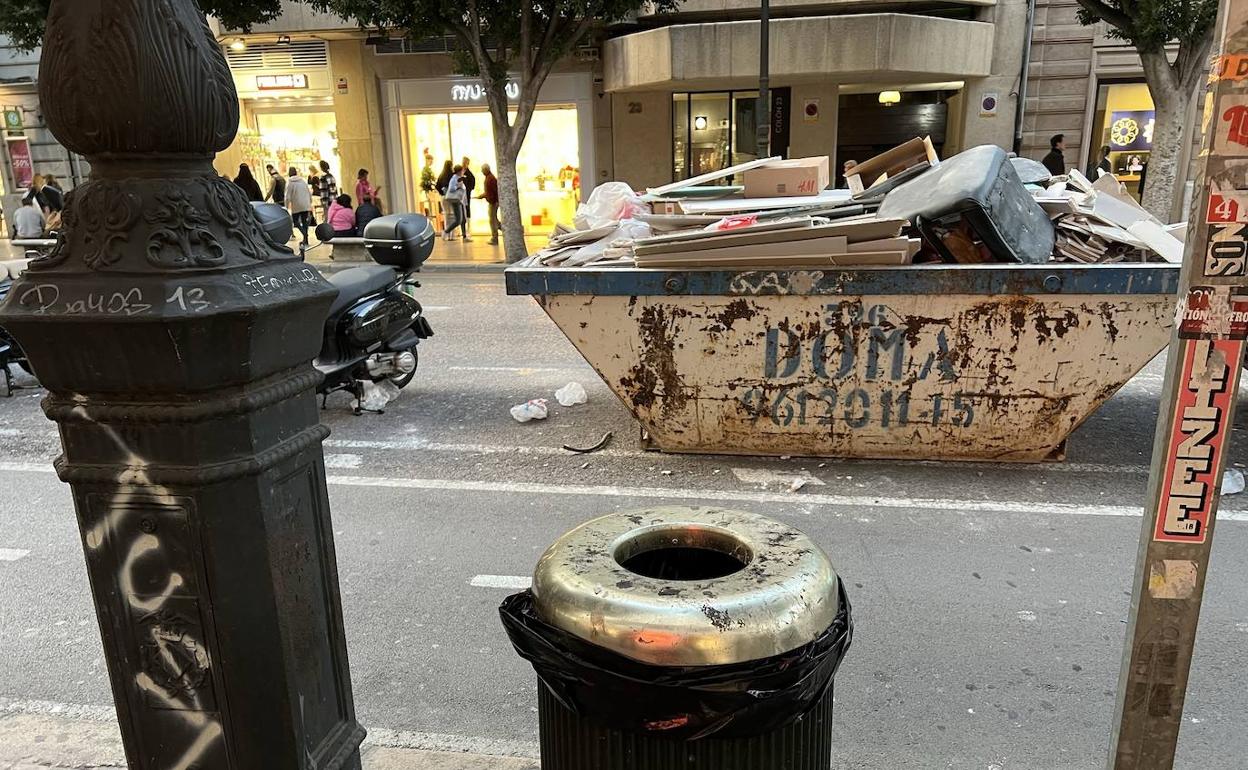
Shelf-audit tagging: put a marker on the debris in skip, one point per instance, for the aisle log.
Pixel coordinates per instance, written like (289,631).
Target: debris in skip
(905,206)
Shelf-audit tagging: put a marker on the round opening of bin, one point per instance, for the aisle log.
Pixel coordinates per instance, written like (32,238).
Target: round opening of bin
(683,552)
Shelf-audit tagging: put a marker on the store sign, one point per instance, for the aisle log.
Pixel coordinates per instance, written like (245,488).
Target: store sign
(1131,130)
(988,104)
(475,92)
(13,119)
(781,107)
(281,82)
(21,161)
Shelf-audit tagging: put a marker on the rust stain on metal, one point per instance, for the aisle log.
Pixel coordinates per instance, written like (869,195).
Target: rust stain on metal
(956,377)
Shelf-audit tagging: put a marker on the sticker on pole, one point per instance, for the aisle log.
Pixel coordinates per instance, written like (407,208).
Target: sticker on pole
(1228,207)
(1207,381)
(1212,312)
(1232,126)
(1227,251)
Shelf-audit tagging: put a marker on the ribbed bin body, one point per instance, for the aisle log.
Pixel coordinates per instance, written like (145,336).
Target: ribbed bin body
(572,743)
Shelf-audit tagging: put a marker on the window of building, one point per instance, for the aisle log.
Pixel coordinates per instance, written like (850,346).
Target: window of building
(1122,133)
(712,131)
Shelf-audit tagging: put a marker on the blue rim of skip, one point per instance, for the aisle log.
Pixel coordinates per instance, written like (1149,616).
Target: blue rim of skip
(832,281)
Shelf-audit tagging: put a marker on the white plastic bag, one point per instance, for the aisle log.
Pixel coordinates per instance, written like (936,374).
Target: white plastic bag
(571,394)
(530,410)
(609,202)
(1232,481)
(377,395)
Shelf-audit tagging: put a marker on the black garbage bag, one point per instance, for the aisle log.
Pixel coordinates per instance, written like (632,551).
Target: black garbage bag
(740,700)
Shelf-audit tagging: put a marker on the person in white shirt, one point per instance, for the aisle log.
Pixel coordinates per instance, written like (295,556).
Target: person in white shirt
(28,220)
(299,201)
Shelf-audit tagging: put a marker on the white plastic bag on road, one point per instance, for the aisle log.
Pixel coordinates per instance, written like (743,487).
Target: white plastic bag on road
(609,202)
(1232,481)
(571,394)
(377,395)
(530,410)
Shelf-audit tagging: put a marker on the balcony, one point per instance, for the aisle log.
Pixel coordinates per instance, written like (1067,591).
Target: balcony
(296,19)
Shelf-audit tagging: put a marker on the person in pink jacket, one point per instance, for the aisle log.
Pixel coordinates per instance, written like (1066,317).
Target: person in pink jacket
(341,217)
(364,189)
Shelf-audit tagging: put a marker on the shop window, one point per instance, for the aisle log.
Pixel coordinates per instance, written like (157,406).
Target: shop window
(547,169)
(1123,125)
(299,139)
(712,131)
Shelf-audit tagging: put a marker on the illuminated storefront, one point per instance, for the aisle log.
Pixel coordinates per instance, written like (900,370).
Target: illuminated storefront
(1123,122)
(447,119)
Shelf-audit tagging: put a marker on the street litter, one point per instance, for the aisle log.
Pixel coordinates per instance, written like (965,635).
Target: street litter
(530,410)
(376,395)
(571,394)
(1232,481)
(905,206)
(601,445)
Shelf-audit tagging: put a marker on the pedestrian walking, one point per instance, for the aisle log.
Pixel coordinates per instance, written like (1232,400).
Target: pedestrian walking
(329,188)
(248,184)
(454,200)
(470,185)
(299,201)
(364,189)
(443,181)
(490,195)
(277,187)
(368,210)
(314,184)
(341,217)
(50,201)
(1055,161)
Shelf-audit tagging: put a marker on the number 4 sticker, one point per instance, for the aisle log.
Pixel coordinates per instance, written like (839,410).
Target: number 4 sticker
(1229,207)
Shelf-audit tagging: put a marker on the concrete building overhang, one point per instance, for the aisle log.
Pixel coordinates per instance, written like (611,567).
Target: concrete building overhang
(860,48)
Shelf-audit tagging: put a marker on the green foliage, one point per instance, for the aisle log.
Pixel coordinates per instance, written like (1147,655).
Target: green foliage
(23,20)
(1150,24)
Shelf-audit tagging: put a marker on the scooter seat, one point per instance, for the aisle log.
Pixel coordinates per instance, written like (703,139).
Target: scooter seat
(358,282)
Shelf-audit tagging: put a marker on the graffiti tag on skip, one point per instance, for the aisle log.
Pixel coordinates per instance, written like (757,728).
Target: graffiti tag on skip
(861,366)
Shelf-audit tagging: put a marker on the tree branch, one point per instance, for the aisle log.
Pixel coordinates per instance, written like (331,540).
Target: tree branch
(526,36)
(1108,13)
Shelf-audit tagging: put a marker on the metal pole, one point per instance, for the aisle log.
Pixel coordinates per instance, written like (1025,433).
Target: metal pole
(764,81)
(1193,428)
(1024,73)
(175,341)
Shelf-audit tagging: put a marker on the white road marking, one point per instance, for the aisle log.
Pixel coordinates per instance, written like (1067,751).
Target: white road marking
(427,308)
(345,461)
(423,445)
(768,477)
(1037,508)
(510,582)
(377,736)
(524,369)
(10,432)
(714,495)
(13,554)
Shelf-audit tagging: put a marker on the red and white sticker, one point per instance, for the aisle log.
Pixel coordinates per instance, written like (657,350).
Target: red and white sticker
(1228,207)
(1207,382)
(1213,312)
(1232,126)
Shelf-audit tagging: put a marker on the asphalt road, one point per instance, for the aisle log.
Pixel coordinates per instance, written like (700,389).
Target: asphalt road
(990,600)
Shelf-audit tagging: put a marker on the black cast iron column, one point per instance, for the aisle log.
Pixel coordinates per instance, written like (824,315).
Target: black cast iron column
(175,341)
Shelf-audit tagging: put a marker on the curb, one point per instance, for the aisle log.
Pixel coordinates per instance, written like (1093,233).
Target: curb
(428,267)
(87,737)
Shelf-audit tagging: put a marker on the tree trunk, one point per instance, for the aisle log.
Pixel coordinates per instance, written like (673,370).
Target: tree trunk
(514,245)
(1172,102)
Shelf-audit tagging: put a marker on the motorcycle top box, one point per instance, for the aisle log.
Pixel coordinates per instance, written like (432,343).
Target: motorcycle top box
(401,241)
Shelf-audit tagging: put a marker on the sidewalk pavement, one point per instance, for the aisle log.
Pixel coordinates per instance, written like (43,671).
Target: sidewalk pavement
(82,739)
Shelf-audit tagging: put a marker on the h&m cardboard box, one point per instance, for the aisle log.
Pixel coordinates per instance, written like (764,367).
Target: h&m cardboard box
(788,178)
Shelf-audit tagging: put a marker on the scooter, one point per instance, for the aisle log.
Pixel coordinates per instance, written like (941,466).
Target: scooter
(374,326)
(10,351)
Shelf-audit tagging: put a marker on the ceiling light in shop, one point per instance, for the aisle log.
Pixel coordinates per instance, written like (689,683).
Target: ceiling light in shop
(238,45)
(283,40)
(889,98)
(699,123)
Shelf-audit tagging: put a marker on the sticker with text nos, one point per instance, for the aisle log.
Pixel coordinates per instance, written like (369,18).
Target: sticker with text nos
(1207,381)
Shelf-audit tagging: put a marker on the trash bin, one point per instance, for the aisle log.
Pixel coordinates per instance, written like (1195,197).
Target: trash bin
(682,637)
